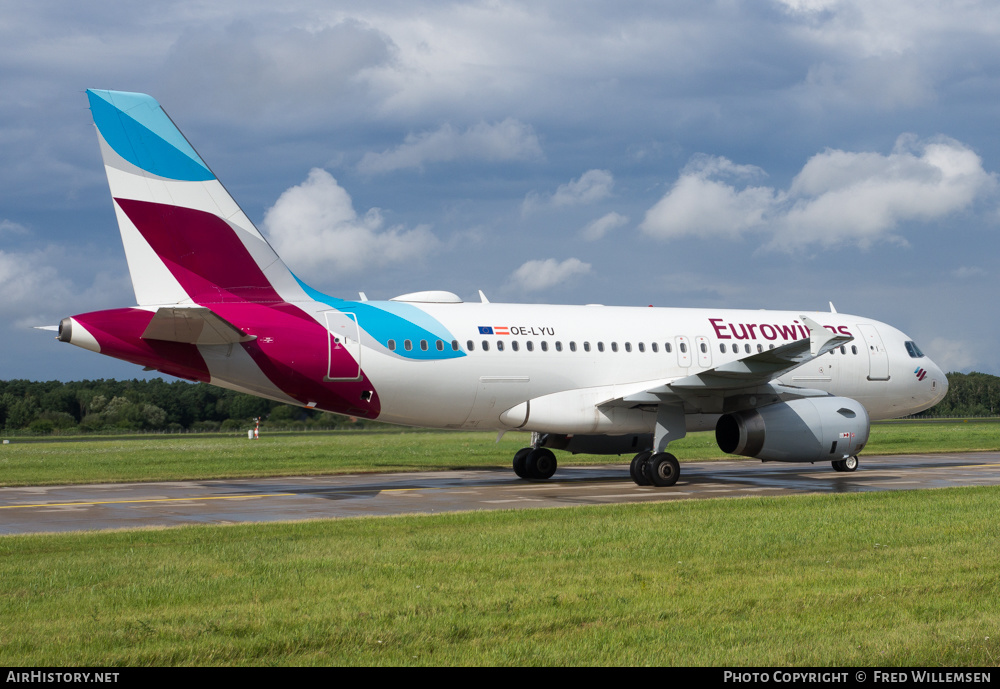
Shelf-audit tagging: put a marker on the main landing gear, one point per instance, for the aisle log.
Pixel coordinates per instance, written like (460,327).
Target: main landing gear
(660,469)
(849,464)
(531,462)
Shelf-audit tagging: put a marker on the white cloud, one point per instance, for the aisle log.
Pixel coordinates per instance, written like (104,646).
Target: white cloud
(12,227)
(37,288)
(597,229)
(967,272)
(502,141)
(839,197)
(592,186)
(699,205)
(286,67)
(538,275)
(313,226)
(952,355)
(862,197)
(887,81)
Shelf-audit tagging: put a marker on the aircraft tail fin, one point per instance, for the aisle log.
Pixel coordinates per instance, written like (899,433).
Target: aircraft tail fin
(186,240)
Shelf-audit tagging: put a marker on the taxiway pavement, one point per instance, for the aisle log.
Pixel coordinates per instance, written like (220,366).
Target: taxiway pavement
(130,505)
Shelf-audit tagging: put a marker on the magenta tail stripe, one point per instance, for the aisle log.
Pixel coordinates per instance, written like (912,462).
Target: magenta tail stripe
(208,259)
(202,252)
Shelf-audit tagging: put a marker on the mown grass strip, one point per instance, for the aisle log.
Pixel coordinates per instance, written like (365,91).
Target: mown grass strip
(900,578)
(165,458)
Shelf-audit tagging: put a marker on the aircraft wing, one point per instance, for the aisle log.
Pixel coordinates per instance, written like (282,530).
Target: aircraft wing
(750,374)
(193,325)
(763,367)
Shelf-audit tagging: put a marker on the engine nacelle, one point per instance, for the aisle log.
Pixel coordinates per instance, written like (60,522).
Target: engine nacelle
(811,429)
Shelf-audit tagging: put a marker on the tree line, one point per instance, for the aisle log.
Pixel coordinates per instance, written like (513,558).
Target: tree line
(100,406)
(106,405)
(969,394)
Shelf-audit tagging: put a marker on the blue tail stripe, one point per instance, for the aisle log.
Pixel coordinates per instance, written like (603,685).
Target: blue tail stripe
(139,131)
(397,321)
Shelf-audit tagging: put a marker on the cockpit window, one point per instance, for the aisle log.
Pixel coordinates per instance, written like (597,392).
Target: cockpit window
(913,350)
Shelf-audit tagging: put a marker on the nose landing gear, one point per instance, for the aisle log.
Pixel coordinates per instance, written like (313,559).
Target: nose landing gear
(849,464)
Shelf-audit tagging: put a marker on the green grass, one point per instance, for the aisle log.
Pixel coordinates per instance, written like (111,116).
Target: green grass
(871,579)
(162,458)
(919,437)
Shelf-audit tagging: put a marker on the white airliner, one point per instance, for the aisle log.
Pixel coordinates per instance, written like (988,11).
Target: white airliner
(217,305)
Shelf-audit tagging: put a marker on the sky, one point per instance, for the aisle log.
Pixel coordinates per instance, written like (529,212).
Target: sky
(768,154)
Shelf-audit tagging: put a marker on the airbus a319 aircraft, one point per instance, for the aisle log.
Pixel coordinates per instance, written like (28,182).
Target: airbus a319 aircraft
(217,305)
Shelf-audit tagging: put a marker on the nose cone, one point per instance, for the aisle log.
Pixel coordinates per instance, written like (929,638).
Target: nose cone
(940,382)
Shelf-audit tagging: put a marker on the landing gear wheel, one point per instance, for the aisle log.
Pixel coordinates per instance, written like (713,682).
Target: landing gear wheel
(519,458)
(637,469)
(540,463)
(849,464)
(663,469)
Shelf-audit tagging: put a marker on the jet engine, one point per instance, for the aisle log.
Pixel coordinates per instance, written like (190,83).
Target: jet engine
(810,429)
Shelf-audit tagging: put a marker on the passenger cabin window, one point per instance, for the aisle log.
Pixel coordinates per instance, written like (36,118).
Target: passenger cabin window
(722,348)
(656,347)
(529,345)
(642,347)
(440,346)
(760,348)
(558,346)
(454,345)
(746,348)
(545,346)
(628,346)
(514,345)
(486,345)
(586,346)
(913,350)
(854,350)
(703,347)
(600,346)
(470,345)
(499,345)
(407,345)
(392,345)
(614,346)
(572,346)
(666,347)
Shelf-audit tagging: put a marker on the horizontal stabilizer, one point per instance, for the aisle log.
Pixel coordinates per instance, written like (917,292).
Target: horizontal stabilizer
(193,326)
